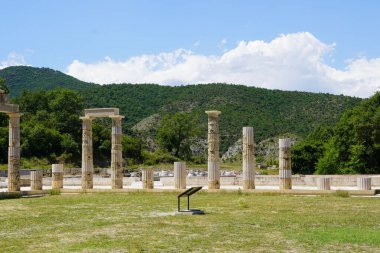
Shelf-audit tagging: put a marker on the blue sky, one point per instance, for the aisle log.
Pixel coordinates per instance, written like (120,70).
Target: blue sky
(155,40)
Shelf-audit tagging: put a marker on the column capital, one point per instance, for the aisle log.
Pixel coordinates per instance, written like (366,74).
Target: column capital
(285,143)
(14,114)
(86,118)
(117,117)
(213,113)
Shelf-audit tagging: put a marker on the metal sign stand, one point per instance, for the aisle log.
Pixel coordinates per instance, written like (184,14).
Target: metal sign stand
(187,194)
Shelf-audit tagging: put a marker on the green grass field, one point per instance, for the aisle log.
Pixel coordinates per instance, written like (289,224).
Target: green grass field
(234,222)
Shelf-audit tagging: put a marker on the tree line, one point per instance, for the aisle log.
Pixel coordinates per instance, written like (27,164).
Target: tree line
(352,146)
(51,127)
(51,131)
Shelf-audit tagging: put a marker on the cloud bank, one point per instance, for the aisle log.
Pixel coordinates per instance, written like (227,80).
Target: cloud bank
(13,59)
(288,62)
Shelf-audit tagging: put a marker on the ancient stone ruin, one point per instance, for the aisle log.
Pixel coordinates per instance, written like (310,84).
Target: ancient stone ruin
(180,179)
(248,159)
(116,150)
(179,175)
(14,115)
(213,150)
(285,165)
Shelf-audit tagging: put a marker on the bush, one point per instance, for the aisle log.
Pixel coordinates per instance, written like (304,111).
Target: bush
(342,194)
(54,192)
(157,157)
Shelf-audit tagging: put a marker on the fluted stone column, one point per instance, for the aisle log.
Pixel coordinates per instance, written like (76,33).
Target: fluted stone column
(285,172)
(324,183)
(179,175)
(57,176)
(36,180)
(14,152)
(87,154)
(364,183)
(248,159)
(213,150)
(147,179)
(117,153)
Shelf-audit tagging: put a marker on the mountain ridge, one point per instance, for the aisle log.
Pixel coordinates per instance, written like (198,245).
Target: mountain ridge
(21,78)
(270,112)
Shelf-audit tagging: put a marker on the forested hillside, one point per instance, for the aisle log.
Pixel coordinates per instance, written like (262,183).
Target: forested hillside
(270,112)
(351,146)
(51,116)
(21,78)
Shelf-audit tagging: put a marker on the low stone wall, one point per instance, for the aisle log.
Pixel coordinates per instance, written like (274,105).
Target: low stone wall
(73,181)
(270,180)
(260,180)
(102,181)
(66,171)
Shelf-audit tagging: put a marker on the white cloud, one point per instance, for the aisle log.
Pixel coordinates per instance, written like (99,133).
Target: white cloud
(289,62)
(222,45)
(13,59)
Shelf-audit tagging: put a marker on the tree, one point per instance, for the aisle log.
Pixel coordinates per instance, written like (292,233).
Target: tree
(40,141)
(101,143)
(3,85)
(132,149)
(50,126)
(355,145)
(66,106)
(305,154)
(176,132)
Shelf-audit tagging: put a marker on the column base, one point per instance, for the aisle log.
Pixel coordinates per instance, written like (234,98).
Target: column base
(248,184)
(147,185)
(14,181)
(117,184)
(87,181)
(215,184)
(56,185)
(13,187)
(285,183)
(57,182)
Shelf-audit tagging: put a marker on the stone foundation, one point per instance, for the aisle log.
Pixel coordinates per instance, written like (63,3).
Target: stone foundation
(57,176)
(147,179)
(285,167)
(213,150)
(180,175)
(364,183)
(248,159)
(324,183)
(36,180)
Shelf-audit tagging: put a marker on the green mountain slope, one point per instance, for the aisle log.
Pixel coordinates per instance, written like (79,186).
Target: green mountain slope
(270,112)
(21,78)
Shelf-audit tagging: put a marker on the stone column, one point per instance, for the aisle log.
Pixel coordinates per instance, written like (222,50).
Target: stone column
(364,183)
(324,183)
(87,154)
(117,153)
(14,152)
(213,150)
(57,176)
(285,172)
(147,179)
(179,175)
(36,180)
(248,159)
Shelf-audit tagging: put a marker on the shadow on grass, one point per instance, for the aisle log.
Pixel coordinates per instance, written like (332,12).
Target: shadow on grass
(10,195)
